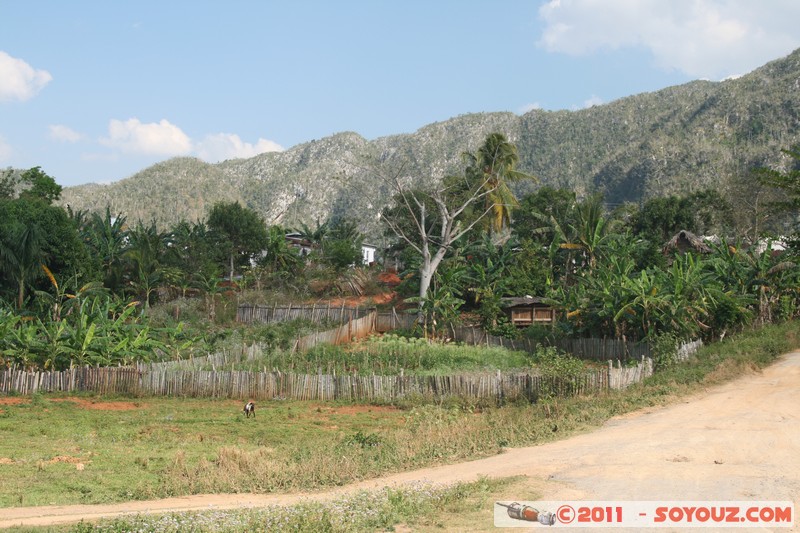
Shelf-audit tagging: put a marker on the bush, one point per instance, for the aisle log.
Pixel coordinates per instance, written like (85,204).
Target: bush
(664,348)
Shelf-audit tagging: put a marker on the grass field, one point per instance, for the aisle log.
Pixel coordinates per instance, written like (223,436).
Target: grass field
(91,450)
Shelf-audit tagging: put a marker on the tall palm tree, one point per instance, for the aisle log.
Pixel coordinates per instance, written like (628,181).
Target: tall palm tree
(106,237)
(21,256)
(494,166)
(591,229)
(145,254)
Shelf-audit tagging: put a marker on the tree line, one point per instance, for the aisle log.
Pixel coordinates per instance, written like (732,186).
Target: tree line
(77,286)
(610,272)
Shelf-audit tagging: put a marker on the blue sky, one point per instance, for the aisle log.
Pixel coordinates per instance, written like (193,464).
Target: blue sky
(94,91)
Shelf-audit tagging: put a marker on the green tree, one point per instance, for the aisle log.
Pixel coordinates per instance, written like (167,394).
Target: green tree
(702,212)
(341,245)
(193,254)
(242,232)
(591,229)
(145,256)
(493,166)
(105,237)
(58,239)
(21,255)
(787,180)
(278,256)
(537,211)
(40,185)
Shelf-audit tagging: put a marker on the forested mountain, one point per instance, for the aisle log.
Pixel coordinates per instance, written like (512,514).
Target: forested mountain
(673,141)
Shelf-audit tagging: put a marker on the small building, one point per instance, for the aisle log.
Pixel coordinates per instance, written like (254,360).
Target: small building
(686,241)
(300,243)
(528,310)
(368,253)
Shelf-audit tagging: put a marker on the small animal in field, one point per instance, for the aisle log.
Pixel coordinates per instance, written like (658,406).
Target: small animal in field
(249,409)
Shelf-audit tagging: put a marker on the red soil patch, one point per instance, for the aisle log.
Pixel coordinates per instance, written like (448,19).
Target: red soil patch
(13,401)
(65,459)
(354,409)
(360,301)
(390,278)
(101,406)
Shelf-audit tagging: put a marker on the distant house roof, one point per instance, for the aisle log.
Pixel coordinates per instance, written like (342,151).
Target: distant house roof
(522,300)
(684,241)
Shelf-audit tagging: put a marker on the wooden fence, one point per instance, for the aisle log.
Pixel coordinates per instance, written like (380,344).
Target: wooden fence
(495,386)
(219,360)
(314,313)
(104,380)
(358,328)
(386,321)
(594,348)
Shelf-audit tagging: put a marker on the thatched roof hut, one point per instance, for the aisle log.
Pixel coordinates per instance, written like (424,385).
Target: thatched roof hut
(686,241)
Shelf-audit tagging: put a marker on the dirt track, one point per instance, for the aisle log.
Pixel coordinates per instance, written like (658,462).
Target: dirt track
(739,441)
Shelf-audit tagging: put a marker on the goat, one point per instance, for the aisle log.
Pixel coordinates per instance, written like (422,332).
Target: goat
(249,408)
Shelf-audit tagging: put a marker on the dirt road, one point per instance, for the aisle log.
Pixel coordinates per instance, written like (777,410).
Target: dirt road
(739,441)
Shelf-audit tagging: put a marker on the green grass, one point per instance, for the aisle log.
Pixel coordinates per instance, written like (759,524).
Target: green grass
(391,354)
(166,447)
(131,453)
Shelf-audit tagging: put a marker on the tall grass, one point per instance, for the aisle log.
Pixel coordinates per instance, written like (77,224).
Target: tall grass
(391,355)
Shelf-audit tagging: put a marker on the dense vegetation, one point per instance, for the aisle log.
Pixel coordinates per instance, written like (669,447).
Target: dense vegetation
(77,287)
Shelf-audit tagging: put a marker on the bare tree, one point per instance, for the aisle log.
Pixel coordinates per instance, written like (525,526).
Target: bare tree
(432,232)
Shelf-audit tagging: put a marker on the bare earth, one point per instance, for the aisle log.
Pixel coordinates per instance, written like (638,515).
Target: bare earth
(739,441)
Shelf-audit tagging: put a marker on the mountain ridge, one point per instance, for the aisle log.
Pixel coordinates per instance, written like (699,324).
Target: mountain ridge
(672,141)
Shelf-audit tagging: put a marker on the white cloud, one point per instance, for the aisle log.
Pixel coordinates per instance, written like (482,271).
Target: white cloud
(529,107)
(592,101)
(59,132)
(155,138)
(18,80)
(710,39)
(223,146)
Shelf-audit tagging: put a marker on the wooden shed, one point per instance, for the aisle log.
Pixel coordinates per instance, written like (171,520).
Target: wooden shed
(528,310)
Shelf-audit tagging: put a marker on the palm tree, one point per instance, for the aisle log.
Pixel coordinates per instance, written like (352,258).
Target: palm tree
(145,253)
(494,165)
(106,236)
(591,229)
(21,256)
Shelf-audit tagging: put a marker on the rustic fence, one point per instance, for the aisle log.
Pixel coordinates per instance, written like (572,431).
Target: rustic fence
(590,348)
(494,386)
(103,380)
(320,314)
(358,328)
(219,360)
(386,321)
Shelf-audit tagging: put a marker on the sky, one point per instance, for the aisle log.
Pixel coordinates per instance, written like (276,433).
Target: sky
(94,91)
